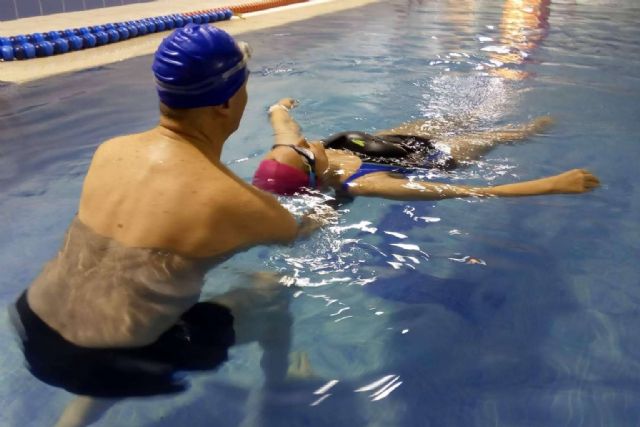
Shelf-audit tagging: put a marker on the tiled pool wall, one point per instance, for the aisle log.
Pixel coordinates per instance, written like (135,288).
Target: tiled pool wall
(14,9)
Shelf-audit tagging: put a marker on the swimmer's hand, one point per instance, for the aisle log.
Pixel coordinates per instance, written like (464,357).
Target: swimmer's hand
(574,181)
(285,104)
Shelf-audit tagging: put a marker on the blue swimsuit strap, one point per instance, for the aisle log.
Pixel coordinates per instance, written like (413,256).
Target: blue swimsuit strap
(367,168)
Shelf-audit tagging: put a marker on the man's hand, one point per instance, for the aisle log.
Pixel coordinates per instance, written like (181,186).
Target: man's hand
(318,217)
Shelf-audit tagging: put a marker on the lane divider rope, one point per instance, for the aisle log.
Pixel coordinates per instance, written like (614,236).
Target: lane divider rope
(37,45)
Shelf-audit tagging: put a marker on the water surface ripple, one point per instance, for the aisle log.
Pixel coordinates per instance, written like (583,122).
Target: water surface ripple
(519,312)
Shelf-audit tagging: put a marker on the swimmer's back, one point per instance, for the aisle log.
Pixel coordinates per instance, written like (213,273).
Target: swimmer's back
(150,191)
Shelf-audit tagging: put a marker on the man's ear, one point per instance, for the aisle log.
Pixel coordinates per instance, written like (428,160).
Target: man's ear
(222,109)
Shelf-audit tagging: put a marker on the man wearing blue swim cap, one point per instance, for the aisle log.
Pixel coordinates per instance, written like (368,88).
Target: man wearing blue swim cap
(117,312)
(199,66)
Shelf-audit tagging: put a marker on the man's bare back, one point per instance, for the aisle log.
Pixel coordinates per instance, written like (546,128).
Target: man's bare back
(150,190)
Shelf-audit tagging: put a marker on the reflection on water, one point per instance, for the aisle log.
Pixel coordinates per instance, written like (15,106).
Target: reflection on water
(523,26)
(461,313)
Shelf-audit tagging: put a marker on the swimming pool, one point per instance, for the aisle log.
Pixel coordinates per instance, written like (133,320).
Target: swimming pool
(400,328)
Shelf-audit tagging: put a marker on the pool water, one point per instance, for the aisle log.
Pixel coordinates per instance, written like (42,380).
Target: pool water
(510,312)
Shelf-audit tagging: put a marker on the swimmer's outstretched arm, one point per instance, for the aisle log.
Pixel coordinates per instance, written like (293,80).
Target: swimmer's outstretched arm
(384,185)
(286,130)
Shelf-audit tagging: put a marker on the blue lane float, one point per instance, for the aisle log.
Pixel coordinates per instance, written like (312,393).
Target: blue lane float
(44,48)
(7,53)
(60,46)
(24,51)
(39,45)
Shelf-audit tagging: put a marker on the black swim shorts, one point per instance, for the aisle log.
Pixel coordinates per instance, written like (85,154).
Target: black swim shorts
(199,341)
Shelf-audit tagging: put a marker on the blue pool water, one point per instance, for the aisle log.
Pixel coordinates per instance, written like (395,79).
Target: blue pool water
(400,327)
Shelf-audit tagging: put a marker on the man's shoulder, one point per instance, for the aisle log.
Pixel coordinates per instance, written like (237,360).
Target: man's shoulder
(114,145)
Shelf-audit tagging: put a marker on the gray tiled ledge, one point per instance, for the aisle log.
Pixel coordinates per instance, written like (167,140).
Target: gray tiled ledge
(16,9)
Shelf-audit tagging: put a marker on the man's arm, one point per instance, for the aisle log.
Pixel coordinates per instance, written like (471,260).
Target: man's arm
(261,219)
(386,186)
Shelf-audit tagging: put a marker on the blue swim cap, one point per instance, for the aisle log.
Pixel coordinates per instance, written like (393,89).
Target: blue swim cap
(199,66)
